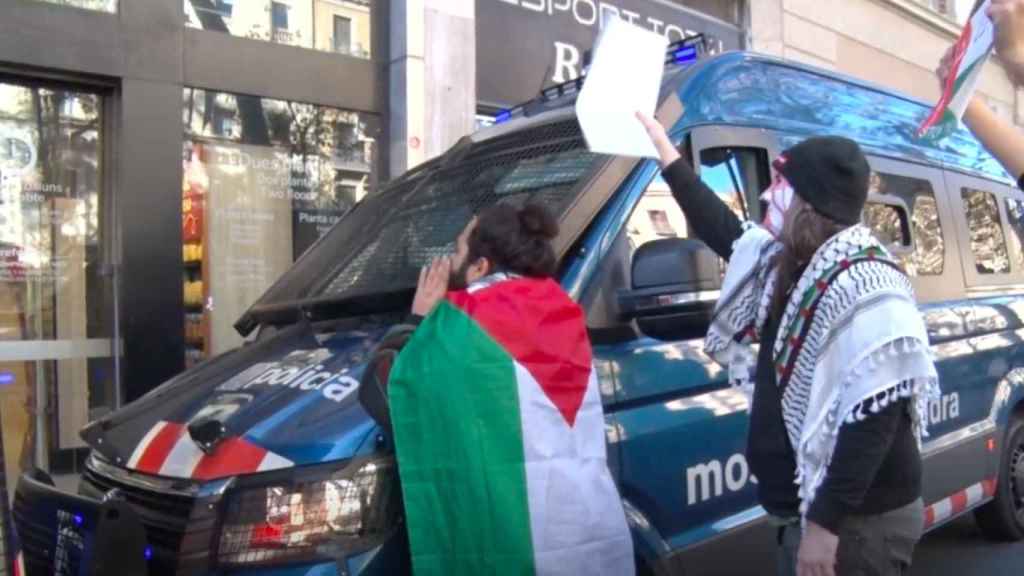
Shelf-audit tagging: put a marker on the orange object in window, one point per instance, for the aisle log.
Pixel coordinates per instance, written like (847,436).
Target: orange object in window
(193,197)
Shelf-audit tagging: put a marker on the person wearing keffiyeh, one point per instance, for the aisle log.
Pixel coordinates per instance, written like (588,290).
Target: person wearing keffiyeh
(840,385)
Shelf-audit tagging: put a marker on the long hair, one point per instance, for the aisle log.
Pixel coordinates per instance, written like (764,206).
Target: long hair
(804,231)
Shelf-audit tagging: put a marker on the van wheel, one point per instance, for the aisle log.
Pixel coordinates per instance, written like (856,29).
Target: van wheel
(1002,519)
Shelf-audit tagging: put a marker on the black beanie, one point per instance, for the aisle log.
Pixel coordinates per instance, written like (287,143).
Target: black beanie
(830,173)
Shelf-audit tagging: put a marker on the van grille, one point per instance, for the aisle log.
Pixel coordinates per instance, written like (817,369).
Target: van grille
(36,540)
(165,516)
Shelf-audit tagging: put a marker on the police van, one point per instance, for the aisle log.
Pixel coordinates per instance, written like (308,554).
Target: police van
(266,461)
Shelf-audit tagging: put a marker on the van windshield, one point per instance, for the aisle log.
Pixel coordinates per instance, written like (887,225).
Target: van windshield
(380,246)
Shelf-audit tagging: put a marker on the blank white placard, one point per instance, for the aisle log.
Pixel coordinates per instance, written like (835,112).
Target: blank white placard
(624,78)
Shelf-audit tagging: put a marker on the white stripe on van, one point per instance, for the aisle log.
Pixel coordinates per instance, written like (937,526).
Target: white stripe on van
(183,459)
(140,449)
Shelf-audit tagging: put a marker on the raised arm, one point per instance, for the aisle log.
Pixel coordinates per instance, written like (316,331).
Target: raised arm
(706,214)
(1001,138)
(1008,17)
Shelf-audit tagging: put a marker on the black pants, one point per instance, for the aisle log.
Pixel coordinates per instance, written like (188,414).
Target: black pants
(881,545)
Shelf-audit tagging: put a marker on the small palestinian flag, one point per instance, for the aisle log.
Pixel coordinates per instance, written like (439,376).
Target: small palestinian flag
(499,433)
(969,55)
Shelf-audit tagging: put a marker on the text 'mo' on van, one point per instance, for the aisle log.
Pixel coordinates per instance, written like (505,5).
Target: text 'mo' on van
(265,462)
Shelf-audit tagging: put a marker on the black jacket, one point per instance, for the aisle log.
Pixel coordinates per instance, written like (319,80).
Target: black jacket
(876,466)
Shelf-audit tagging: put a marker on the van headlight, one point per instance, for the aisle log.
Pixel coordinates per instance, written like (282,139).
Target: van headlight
(314,514)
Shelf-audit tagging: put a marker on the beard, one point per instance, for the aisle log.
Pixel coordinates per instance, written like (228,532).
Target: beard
(457,278)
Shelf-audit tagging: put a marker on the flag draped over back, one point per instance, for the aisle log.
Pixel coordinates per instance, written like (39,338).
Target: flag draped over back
(499,433)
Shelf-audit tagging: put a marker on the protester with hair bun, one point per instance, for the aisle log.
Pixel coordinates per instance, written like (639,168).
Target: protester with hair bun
(496,415)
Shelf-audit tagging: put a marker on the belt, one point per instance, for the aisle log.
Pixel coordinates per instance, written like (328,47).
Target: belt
(783,521)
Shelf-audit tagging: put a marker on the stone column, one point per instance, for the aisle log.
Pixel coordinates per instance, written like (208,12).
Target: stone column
(432,72)
(765,27)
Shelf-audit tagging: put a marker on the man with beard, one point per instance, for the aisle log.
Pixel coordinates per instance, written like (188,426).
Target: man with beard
(496,415)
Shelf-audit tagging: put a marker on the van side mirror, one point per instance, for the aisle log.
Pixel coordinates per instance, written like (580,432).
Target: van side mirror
(676,283)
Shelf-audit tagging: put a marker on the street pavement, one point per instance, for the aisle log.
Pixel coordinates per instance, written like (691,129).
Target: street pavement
(958,549)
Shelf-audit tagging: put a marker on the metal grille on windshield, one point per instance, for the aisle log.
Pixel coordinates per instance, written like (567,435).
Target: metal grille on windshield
(540,165)
(380,246)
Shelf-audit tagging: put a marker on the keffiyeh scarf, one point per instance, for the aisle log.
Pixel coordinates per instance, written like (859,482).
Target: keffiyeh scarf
(850,340)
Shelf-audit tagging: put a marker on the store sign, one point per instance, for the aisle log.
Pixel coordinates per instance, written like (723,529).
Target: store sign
(309,225)
(17,152)
(526,45)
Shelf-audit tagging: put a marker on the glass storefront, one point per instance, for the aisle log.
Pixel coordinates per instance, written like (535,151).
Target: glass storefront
(263,180)
(101,5)
(339,26)
(57,370)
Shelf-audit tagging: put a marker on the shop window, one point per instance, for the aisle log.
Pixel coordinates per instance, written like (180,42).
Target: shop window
(340,26)
(98,5)
(56,301)
(263,180)
(927,255)
(985,228)
(1015,218)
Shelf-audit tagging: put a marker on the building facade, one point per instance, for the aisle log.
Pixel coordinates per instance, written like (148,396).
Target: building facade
(163,161)
(893,43)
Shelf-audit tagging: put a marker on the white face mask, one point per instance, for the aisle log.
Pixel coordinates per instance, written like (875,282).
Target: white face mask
(778,197)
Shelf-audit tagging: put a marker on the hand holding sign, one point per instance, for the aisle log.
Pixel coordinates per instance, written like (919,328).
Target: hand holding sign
(961,69)
(1008,16)
(624,78)
(667,153)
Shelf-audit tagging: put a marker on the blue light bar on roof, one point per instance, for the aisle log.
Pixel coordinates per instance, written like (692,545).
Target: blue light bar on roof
(503,116)
(685,55)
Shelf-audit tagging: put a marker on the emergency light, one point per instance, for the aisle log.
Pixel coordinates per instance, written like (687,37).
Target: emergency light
(680,53)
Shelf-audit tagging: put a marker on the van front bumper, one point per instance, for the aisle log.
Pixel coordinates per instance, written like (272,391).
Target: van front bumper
(173,533)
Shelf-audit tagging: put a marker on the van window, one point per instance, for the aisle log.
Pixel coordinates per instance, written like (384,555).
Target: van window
(728,170)
(656,216)
(988,245)
(735,174)
(1015,218)
(929,251)
(889,223)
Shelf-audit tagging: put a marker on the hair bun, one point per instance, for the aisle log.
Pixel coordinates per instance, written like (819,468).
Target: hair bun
(536,220)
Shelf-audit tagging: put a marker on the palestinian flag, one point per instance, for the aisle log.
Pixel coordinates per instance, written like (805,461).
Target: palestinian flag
(969,56)
(499,433)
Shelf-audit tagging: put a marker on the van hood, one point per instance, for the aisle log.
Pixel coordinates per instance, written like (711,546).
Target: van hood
(289,400)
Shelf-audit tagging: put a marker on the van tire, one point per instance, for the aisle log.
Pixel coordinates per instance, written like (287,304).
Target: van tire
(1002,519)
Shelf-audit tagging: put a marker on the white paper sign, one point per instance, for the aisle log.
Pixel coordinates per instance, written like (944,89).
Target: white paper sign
(624,78)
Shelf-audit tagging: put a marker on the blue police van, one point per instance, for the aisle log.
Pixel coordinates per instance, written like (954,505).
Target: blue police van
(266,462)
